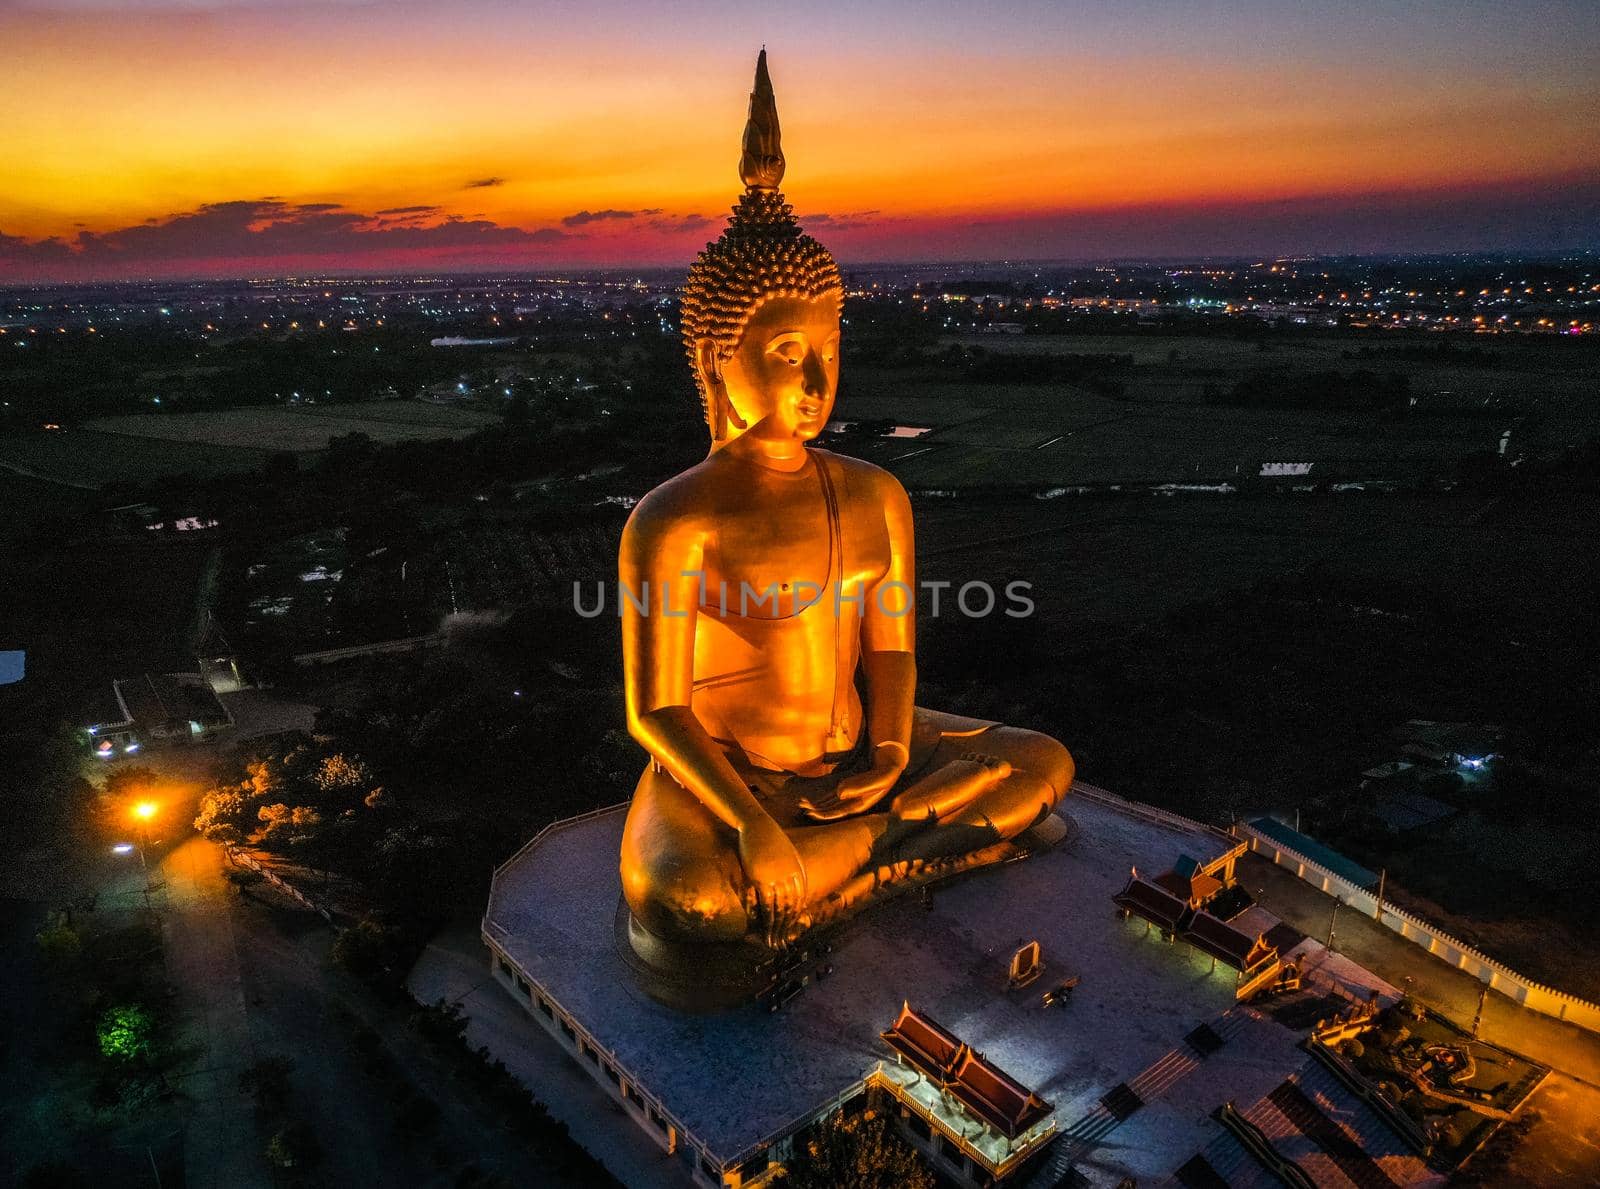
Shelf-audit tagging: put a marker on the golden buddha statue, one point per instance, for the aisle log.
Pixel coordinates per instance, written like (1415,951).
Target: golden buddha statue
(761,586)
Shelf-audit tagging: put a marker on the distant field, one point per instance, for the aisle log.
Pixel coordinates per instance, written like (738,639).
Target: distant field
(79,458)
(1094,562)
(226,442)
(303,428)
(1161,430)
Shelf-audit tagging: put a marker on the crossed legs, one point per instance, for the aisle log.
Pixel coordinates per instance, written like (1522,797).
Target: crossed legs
(976,788)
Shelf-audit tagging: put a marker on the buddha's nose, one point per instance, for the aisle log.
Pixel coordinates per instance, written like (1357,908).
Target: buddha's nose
(814,376)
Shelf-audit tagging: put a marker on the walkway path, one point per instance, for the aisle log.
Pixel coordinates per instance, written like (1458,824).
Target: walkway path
(1452,992)
(222,1143)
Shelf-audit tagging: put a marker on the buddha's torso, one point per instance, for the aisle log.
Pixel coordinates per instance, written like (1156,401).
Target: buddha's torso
(773,665)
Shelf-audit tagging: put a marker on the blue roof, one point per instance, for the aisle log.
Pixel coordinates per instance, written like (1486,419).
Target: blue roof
(11,667)
(1310,848)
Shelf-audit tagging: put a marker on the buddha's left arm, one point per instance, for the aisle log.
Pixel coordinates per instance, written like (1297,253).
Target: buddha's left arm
(889,632)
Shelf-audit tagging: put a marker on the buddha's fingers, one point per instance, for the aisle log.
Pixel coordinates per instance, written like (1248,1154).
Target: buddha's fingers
(949,788)
(833,807)
(841,802)
(826,809)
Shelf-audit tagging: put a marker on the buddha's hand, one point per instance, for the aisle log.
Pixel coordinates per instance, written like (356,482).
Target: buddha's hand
(859,791)
(777,878)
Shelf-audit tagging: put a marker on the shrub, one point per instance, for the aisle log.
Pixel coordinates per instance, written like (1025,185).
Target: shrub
(439,1021)
(59,940)
(294,1146)
(366,949)
(126,1033)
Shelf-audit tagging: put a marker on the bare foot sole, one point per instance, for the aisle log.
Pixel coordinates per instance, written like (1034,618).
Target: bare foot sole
(950,788)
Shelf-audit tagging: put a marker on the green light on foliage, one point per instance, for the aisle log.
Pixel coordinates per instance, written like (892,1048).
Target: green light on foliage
(125,1033)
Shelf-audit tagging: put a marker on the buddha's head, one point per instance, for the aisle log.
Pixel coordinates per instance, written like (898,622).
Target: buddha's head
(761,305)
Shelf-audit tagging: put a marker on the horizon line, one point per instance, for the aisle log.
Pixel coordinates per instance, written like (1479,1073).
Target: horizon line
(1521,254)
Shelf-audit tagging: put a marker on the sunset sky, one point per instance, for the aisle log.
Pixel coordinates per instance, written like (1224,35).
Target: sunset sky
(232,137)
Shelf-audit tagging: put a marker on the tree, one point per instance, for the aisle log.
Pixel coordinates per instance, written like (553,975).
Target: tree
(856,1152)
(340,773)
(130,782)
(222,817)
(282,823)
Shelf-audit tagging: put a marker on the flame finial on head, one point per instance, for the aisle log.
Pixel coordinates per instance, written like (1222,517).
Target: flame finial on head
(761,164)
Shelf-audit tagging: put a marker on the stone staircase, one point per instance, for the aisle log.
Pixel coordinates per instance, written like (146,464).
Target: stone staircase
(1364,1125)
(1079,1139)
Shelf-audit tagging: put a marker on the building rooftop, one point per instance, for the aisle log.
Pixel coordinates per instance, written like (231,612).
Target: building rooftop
(737,1080)
(1323,855)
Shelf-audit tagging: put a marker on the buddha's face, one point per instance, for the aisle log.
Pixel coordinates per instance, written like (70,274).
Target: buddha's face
(780,383)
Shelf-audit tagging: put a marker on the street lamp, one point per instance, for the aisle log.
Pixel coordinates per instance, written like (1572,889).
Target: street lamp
(144,812)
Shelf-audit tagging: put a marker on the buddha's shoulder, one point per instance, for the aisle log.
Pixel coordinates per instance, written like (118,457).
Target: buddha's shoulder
(874,485)
(861,473)
(682,502)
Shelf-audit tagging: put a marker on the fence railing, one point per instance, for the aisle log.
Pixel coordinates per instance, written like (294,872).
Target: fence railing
(1161,817)
(277,881)
(1533,995)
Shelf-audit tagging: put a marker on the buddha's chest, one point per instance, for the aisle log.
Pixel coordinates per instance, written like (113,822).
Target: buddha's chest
(785,541)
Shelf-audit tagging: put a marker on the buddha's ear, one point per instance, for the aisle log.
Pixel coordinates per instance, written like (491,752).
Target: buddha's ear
(708,370)
(708,366)
(707,363)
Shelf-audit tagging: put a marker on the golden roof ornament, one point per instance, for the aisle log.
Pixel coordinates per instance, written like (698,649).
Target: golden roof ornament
(761,164)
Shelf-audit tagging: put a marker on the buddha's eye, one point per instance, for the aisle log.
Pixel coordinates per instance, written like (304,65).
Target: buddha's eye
(791,351)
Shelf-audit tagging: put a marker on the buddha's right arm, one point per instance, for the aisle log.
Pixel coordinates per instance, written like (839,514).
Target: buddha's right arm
(675,738)
(659,567)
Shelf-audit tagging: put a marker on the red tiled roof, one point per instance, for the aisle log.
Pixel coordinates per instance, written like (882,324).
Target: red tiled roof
(982,1087)
(995,1097)
(925,1044)
(1196,888)
(1154,904)
(1227,944)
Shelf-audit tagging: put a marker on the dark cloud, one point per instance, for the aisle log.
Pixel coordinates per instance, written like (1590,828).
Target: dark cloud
(483,183)
(409,210)
(15,248)
(582,217)
(267,229)
(851,221)
(674,223)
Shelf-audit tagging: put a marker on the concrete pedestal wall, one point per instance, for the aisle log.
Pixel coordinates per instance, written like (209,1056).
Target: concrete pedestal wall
(1499,977)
